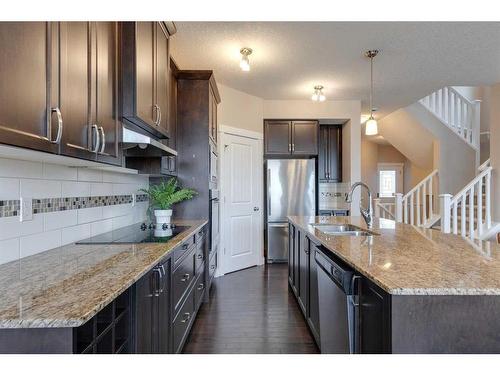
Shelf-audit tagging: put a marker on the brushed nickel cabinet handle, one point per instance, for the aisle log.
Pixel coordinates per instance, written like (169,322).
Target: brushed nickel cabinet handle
(201,286)
(95,130)
(159,117)
(187,317)
(185,277)
(59,125)
(103,144)
(200,256)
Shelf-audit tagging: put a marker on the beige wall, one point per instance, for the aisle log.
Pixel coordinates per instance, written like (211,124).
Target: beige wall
(240,110)
(495,150)
(369,160)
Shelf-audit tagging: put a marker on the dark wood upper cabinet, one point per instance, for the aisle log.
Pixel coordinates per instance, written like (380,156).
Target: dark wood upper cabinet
(304,137)
(106,100)
(80,137)
(28,83)
(145,70)
(291,137)
(64,75)
(330,153)
(278,137)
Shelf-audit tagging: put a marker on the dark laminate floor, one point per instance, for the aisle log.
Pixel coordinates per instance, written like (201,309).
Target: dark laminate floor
(251,311)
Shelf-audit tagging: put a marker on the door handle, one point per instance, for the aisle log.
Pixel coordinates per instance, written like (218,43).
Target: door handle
(95,130)
(103,145)
(185,277)
(256,209)
(187,317)
(157,114)
(159,117)
(59,125)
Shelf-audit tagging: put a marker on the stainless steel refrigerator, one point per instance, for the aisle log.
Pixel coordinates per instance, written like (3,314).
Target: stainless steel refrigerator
(291,190)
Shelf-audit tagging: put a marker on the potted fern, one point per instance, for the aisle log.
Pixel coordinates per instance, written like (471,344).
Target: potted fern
(161,199)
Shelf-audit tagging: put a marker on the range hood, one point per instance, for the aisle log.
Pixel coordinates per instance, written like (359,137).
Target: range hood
(140,145)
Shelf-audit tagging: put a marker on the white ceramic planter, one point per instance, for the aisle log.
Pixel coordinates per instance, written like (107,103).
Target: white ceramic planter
(163,217)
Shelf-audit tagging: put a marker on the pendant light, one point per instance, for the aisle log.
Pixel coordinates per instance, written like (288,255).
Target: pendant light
(245,62)
(318,95)
(371,127)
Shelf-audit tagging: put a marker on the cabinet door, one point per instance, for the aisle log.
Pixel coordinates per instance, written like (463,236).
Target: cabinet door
(303,284)
(162,68)
(164,309)
(145,72)
(335,153)
(277,136)
(172,106)
(374,319)
(145,313)
(313,310)
(305,137)
(28,75)
(79,137)
(291,230)
(296,264)
(105,111)
(323,154)
(213,116)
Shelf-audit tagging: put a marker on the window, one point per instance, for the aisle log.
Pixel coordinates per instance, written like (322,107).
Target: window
(387,183)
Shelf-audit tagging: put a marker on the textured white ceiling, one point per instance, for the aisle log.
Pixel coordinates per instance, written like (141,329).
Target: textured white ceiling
(289,58)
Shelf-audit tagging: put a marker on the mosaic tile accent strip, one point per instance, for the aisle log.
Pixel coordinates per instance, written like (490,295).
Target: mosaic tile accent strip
(11,207)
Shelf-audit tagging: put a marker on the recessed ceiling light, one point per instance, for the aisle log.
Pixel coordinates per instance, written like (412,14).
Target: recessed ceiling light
(245,62)
(318,95)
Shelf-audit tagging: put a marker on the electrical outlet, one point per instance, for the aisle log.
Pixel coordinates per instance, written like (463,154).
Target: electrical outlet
(26,208)
(133,199)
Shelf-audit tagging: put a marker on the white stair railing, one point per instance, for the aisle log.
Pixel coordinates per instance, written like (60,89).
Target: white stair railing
(468,213)
(417,206)
(485,165)
(385,210)
(457,112)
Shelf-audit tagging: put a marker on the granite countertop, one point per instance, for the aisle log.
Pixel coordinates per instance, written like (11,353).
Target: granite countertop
(66,286)
(408,260)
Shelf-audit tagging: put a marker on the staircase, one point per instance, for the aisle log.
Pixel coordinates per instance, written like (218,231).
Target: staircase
(458,113)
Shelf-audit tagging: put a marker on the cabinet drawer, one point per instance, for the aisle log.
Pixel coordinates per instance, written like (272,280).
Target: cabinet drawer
(199,258)
(199,289)
(182,250)
(182,322)
(182,278)
(213,265)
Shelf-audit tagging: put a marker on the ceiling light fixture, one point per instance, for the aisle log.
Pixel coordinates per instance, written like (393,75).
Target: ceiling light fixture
(318,95)
(371,125)
(244,62)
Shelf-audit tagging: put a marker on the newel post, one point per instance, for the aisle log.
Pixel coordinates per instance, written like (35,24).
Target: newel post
(376,203)
(398,214)
(445,207)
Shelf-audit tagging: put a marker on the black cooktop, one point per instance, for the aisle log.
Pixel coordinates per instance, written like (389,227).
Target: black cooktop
(137,233)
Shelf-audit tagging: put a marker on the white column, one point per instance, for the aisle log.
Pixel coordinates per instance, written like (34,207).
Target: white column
(398,213)
(445,212)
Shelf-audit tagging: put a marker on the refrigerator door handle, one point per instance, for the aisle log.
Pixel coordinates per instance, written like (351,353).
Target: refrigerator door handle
(277,225)
(268,192)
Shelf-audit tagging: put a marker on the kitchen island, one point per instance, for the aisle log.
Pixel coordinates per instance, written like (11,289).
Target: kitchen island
(420,291)
(87,298)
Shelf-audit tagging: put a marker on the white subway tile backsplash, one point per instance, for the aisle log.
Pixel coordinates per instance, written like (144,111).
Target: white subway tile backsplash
(100,227)
(48,230)
(75,233)
(60,219)
(91,175)
(100,189)
(75,189)
(87,215)
(9,188)
(40,188)
(20,168)
(59,172)
(9,250)
(36,243)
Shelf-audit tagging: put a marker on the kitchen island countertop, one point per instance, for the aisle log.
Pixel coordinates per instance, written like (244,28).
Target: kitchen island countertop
(407,260)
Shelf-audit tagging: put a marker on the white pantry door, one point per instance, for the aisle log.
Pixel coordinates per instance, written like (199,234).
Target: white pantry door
(241,191)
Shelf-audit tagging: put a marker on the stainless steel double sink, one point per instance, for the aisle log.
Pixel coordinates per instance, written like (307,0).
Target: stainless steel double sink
(343,230)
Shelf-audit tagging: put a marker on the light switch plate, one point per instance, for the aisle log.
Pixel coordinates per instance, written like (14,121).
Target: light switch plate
(26,208)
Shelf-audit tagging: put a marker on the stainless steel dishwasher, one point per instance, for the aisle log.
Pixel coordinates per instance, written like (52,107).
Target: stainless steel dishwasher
(338,306)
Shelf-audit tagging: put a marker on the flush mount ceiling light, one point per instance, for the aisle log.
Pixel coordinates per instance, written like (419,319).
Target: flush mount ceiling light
(244,62)
(318,95)
(371,125)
